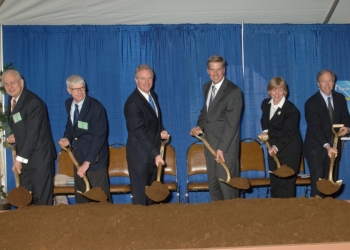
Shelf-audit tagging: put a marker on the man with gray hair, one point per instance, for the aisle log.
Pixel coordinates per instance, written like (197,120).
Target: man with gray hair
(87,130)
(29,123)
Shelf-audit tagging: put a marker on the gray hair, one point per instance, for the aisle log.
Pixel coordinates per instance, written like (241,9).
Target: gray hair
(74,79)
(143,67)
(13,72)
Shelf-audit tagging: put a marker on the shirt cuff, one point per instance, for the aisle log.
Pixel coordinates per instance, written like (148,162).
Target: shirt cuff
(324,145)
(21,159)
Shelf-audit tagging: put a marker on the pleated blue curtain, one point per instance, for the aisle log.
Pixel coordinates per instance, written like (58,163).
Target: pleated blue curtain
(106,56)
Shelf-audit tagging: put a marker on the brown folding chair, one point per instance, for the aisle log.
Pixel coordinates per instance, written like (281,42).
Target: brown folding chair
(196,165)
(64,166)
(118,167)
(302,178)
(252,159)
(170,171)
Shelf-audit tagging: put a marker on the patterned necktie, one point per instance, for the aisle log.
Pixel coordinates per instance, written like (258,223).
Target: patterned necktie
(14,102)
(76,114)
(151,102)
(330,109)
(213,90)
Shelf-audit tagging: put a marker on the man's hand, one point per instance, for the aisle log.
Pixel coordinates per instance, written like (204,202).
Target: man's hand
(331,151)
(11,139)
(83,168)
(17,165)
(219,155)
(158,160)
(196,131)
(343,131)
(64,142)
(273,150)
(164,135)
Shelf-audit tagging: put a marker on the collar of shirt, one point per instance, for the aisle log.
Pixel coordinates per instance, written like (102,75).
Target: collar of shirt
(145,95)
(217,86)
(72,108)
(325,98)
(275,107)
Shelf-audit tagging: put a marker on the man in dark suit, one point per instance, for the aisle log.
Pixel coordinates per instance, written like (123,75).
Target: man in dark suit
(145,131)
(220,121)
(31,132)
(323,109)
(87,130)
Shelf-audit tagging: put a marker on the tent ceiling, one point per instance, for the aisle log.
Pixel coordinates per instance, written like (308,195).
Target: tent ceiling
(66,12)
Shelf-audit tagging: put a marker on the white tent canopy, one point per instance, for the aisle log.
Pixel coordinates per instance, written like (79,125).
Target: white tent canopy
(102,12)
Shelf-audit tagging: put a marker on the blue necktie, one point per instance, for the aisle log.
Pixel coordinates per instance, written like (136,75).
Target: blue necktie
(76,114)
(151,103)
(213,90)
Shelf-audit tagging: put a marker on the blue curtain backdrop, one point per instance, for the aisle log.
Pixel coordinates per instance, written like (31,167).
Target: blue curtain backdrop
(106,56)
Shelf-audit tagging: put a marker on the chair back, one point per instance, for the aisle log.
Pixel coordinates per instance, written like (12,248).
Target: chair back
(117,166)
(170,161)
(251,155)
(196,163)
(65,164)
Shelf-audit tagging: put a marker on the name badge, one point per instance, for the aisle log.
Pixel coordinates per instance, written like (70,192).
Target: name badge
(83,125)
(17,117)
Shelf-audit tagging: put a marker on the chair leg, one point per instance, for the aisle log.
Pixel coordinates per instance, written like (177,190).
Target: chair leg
(186,199)
(267,192)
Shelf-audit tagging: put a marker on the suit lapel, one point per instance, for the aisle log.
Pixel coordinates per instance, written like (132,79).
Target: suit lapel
(84,109)
(146,103)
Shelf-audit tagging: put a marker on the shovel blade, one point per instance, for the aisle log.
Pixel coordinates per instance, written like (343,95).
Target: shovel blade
(157,191)
(328,187)
(95,194)
(19,197)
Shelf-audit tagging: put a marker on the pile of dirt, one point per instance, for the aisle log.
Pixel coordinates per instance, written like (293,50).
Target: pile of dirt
(240,222)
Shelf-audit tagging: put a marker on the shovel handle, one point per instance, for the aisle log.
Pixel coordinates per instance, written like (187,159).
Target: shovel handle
(14,153)
(265,139)
(160,165)
(68,149)
(335,144)
(223,164)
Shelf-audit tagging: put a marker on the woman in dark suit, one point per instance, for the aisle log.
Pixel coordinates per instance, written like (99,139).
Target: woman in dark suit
(280,121)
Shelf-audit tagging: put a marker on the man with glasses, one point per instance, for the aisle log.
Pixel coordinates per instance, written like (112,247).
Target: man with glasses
(87,130)
(29,123)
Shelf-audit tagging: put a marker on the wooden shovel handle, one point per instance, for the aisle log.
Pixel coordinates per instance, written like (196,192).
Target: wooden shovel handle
(214,154)
(160,165)
(335,144)
(14,154)
(265,139)
(68,149)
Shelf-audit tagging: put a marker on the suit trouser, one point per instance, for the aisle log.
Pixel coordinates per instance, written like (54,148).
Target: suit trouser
(319,169)
(97,178)
(284,187)
(141,176)
(219,190)
(39,181)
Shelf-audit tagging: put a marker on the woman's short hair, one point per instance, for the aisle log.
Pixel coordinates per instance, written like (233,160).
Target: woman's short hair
(277,82)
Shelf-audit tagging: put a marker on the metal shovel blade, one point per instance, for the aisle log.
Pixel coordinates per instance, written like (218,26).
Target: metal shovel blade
(158,191)
(236,182)
(96,193)
(19,196)
(329,187)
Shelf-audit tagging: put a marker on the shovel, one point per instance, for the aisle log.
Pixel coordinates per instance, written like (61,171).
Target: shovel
(19,196)
(329,187)
(95,194)
(282,171)
(237,182)
(158,191)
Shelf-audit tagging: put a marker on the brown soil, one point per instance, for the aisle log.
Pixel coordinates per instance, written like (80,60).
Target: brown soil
(240,222)
(284,171)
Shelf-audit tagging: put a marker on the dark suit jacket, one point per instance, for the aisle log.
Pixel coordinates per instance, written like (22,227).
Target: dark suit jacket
(144,128)
(89,144)
(283,127)
(32,133)
(221,123)
(319,127)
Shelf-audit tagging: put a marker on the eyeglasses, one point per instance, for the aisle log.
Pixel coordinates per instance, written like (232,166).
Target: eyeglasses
(9,84)
(76,90)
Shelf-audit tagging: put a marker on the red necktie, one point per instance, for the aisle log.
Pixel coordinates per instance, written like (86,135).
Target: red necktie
(13,104)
